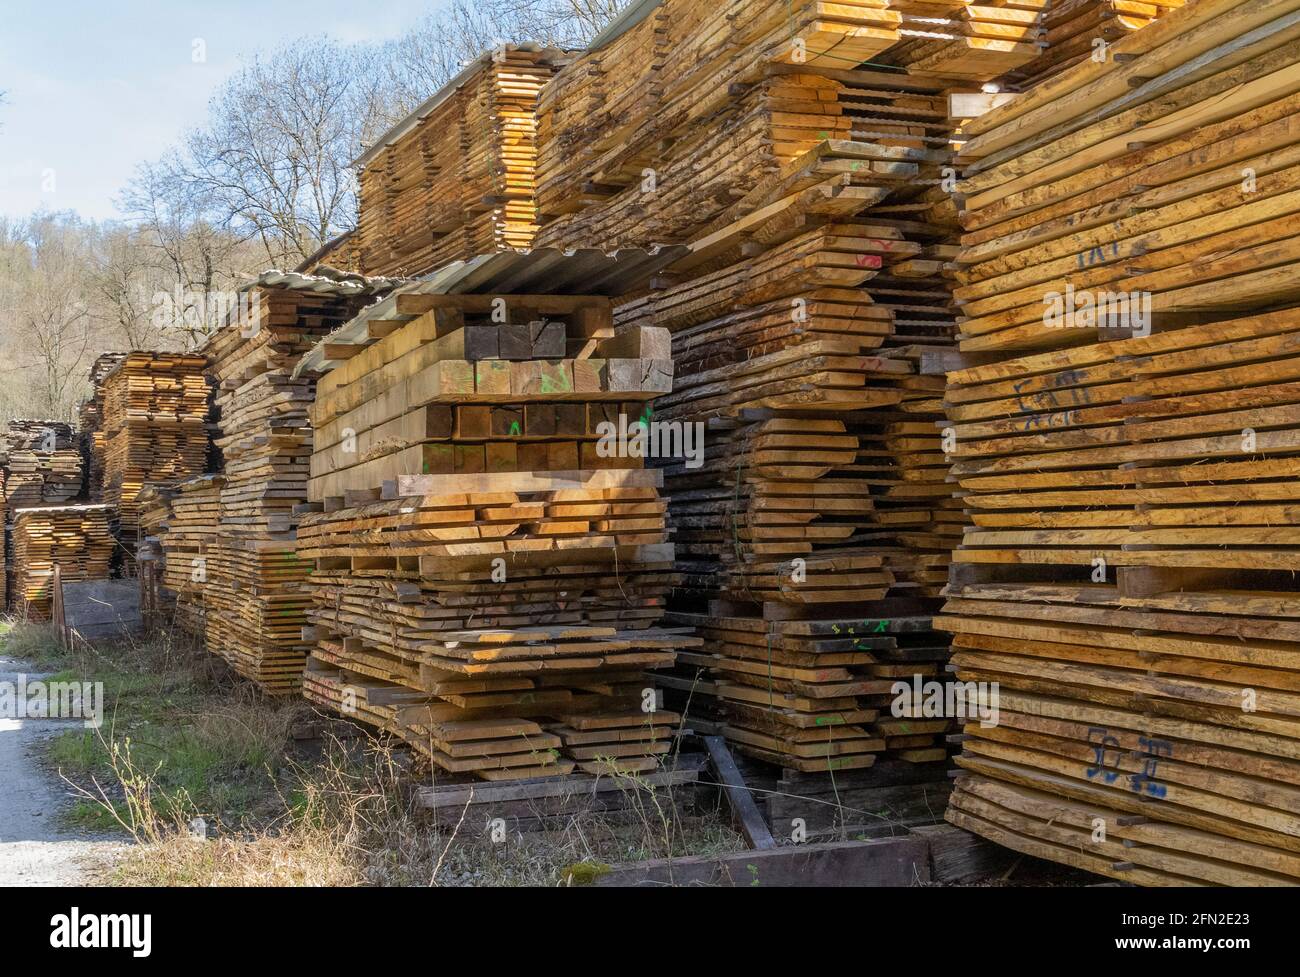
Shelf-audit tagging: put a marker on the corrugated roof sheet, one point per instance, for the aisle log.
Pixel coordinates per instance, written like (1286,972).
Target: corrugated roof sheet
(544,271)
(339,283)
(628,18)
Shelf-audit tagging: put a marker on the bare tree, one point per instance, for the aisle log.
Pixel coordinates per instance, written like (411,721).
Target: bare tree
(43,294)
(185,252)
(273,162)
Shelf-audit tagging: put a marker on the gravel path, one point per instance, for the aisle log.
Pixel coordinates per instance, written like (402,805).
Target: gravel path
(35,847)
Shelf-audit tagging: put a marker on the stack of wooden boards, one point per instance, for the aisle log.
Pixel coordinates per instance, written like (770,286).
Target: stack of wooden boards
(41,465)
(962,40)
(666,125)
(76,538)
(1170,172)
(499,613)
(184,521)
(239,527)
(455,179)
(1129,578)
(155,415)
(1077,30)
(90,427)
(814,532)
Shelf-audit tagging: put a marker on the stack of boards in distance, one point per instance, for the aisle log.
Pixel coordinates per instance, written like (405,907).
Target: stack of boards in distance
(1129,580)
(90,426)
(76,538)
(254,596)
(501,622)
(455,179)
(188,546)
(42,467)
(155,426)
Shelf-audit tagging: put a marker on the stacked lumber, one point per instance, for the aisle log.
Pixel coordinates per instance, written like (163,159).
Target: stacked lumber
(497,614)
(90,428)
(1169,173)
(456,178)
(192,531)
(26,434)
(155,426)
(963,40)
(1073,29)
(1129,583)
(41,465)
(1129,580)
(254,597)
(75,538)
(663,127)
(814,534)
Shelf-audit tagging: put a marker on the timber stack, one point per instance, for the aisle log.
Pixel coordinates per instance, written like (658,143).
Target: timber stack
(814,529)
(489,583)
(75,538)
(90,426)
(456,178)
(241,525)
(42,467)
(185,520)
(155,411)
(1127,447)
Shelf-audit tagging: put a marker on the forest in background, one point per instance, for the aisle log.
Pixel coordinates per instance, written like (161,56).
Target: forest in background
(262,183)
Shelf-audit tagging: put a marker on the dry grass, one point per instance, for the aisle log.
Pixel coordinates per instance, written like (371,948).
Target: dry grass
(201,772)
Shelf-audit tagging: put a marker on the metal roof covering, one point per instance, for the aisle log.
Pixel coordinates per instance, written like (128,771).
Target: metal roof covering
(401,128)
(627,18)
(335,283)
(544,271)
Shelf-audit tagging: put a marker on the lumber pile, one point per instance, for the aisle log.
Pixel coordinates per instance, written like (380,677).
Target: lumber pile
(188,545)
(1077,30)
(456,179)
(666,125)
(814,533)
(75,538)
(1128,581)
(253,600)
(959,40)
(41,465)
(155,411)
(499,612)
(91,440)
(1168,175)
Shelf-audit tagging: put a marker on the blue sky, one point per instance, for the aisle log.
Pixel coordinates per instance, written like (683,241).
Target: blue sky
(95,86)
